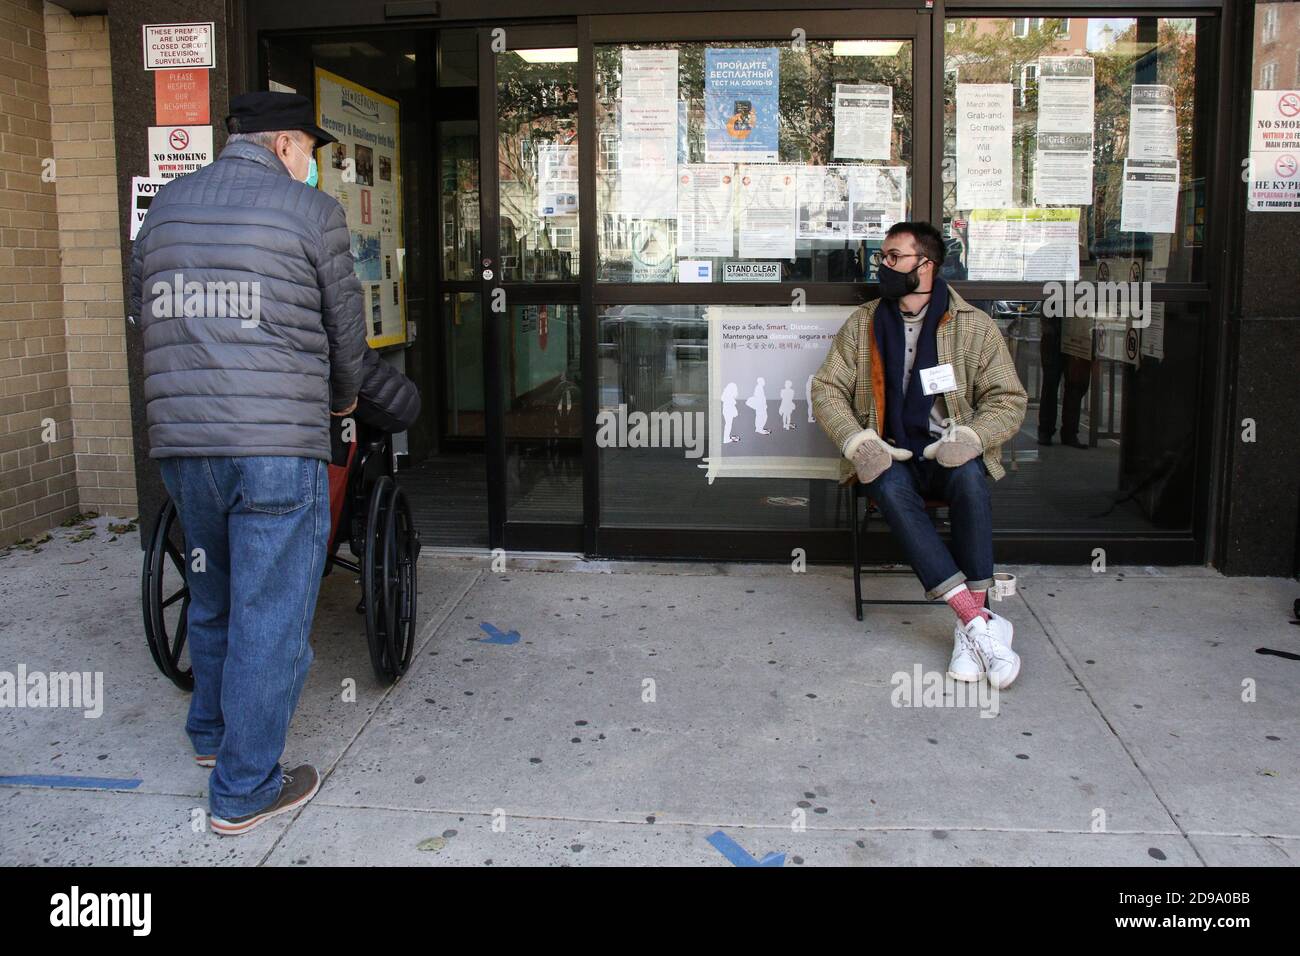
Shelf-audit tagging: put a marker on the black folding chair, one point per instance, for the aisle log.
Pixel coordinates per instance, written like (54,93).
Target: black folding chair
(858,529)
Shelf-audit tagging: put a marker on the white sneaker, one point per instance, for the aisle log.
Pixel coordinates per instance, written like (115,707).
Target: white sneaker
(965,660)
(965,664)
(1001,665)
(1000,627)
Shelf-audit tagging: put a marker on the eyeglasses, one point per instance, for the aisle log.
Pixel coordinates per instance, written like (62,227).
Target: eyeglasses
(891,258)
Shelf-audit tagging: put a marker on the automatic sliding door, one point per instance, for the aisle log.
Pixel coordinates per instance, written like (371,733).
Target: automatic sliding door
(736,172)
(532,291)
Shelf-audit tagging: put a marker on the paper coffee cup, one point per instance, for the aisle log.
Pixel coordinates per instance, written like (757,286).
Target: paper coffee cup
(1004,585)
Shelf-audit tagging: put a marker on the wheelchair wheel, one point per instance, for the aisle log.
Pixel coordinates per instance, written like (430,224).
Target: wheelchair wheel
(165,600)
(388,579)
(401,546)
(372,579)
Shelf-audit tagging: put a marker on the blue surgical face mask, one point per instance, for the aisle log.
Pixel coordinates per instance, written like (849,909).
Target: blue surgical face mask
(313,174)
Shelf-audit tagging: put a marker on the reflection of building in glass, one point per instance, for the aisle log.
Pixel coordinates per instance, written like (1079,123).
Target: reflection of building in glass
(1277,46)
(1125,52)
(537,168)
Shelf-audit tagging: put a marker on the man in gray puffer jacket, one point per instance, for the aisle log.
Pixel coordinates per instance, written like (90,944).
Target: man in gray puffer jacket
(243,283)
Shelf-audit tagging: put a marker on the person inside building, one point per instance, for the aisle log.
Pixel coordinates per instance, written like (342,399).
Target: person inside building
(919,393)
(1058,366)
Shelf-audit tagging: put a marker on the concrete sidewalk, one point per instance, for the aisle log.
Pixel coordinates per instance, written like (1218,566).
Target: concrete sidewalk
(647,707)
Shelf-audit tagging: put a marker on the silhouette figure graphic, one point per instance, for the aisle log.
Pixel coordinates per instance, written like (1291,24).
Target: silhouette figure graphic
(787,405)
(758,402)
(729,410)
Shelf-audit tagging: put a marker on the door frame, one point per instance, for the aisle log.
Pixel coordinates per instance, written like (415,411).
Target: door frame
(502,532)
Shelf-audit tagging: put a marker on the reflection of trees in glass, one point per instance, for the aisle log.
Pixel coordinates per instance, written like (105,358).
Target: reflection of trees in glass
(806,113)
(460,198)
(808,82)
(987,51)
(806,89)
(1148,50)
(537,104)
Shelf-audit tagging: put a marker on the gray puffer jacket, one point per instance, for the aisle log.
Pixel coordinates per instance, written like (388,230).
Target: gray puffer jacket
(388,400)
(243,283)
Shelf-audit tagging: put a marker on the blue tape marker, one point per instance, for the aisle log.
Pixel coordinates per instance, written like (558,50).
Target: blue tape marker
(738,856)
(495,636)
(78,783)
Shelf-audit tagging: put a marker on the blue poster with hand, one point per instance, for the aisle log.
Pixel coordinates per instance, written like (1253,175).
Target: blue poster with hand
(741,99)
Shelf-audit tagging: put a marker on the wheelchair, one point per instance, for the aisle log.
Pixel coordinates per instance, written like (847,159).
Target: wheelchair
(367,508)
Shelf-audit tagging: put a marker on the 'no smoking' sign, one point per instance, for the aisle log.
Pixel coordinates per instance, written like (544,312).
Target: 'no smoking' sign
(1274,151)
(177,150)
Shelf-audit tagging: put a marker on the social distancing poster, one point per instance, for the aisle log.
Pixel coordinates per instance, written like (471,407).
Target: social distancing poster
(761,366)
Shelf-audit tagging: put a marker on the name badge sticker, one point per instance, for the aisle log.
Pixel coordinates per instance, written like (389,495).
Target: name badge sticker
(938,379)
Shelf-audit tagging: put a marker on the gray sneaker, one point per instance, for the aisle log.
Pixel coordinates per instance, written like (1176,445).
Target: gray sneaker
(297,787)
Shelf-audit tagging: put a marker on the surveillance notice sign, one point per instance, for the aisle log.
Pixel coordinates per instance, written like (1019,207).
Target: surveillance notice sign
(177,150)
(176,46)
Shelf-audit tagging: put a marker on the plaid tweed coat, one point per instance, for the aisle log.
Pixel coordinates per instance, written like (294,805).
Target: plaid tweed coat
(848,392)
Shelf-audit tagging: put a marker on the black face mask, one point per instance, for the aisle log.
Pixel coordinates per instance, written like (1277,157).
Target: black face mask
(895,284)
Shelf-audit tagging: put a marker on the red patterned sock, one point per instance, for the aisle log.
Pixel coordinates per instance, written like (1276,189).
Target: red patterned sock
(980,598)
(963,603)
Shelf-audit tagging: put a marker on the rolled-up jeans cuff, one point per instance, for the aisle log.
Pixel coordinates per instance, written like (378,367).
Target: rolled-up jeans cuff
(983,584)
(934,593)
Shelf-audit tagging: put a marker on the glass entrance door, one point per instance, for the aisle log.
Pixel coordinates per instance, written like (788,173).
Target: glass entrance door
(795,139)
(448,484)
(530,274)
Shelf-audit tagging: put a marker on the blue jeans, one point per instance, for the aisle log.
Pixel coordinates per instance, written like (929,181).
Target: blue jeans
(263,524)
(900,494)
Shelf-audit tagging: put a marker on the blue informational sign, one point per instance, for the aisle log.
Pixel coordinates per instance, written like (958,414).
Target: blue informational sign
(741,100)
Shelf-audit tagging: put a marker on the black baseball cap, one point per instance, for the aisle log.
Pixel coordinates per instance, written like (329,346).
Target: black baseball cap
(265,111)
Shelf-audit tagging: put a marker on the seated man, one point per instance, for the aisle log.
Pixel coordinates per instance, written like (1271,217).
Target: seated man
(919,392)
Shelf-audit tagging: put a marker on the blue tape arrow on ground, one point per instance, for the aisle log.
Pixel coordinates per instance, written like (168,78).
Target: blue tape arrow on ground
(738,855)
(60,781)
(495,636)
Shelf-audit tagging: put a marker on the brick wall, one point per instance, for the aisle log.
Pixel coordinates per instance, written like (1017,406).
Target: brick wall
(37,476)
(65,425)
(81,111)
